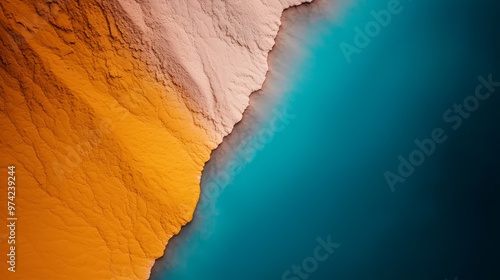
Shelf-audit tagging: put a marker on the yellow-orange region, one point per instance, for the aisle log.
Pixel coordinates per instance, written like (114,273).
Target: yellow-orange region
(108,159)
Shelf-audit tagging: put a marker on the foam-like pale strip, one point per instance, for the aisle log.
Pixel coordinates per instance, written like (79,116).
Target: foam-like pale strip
(109,110)
(216,49)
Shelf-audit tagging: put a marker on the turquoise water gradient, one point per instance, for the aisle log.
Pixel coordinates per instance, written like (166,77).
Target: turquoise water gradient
(323,174)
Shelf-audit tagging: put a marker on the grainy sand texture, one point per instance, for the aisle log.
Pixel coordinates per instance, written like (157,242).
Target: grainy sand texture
(109,110)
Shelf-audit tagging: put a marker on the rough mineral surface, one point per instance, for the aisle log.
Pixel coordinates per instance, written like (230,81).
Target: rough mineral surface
(217,49)
(109,110)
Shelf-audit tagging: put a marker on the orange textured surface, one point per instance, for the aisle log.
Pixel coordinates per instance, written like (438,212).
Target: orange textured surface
(109,110)
(108,158)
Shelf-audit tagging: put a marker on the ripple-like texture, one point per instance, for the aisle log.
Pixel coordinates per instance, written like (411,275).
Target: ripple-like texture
(109,110)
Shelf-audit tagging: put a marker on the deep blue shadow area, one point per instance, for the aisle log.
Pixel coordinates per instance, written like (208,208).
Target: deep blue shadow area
(323,176)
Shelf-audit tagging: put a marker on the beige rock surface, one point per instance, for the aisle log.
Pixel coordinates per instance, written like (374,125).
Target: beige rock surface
(109,109)
(216,50)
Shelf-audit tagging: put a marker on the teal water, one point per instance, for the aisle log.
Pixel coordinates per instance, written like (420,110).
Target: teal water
(322,175)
